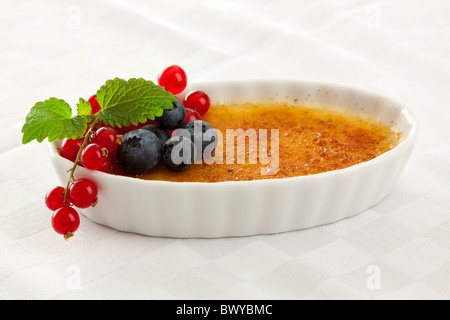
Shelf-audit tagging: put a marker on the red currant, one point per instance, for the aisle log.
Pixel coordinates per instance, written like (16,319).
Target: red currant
(66,221)
(192,115)
(95,106)
(197,100)
(173,79)
(107,167)
(93,156)
(83,193)
(54,199)
(69,148)
(107,138)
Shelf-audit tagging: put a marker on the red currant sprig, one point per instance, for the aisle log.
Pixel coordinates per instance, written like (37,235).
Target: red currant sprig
(81,193)
(65,219)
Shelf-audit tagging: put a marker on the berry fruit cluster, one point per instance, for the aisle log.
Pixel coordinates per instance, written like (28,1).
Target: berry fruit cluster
(177,138)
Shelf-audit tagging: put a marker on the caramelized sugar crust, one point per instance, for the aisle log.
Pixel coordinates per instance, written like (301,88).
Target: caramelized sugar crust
(311,141)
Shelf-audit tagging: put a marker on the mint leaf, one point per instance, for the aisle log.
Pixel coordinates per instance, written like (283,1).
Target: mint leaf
(52,119)
(123,103)
(84,108)
(129,102)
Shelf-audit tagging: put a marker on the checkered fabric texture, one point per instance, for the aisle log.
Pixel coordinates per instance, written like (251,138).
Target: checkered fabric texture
(399,249)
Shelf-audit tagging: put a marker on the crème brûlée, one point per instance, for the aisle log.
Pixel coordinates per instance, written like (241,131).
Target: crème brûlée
(309,140)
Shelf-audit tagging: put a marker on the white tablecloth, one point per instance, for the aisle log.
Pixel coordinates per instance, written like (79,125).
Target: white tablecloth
(397,249)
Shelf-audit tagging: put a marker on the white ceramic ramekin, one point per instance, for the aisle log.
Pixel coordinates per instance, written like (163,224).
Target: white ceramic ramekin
(242,208)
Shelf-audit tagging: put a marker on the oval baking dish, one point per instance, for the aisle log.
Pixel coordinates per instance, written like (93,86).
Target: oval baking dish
(242,208)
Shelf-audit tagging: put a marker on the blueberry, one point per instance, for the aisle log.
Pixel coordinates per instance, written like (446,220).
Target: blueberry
(202,134)
(139,152)
(177,153)
(162,134)
(172,118)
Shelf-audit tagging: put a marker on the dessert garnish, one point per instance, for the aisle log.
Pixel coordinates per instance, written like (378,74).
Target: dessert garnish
(127,123)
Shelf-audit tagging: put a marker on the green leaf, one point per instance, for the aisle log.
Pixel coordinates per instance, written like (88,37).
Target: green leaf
(52,119)
(129,102)
(123,103)
(84,108)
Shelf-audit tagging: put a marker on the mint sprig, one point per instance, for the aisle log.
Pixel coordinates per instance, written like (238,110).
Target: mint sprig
(53,119)
(130,102)
(122,103)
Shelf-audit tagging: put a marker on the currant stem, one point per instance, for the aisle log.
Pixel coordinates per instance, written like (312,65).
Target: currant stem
(68,235)
(77,160)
